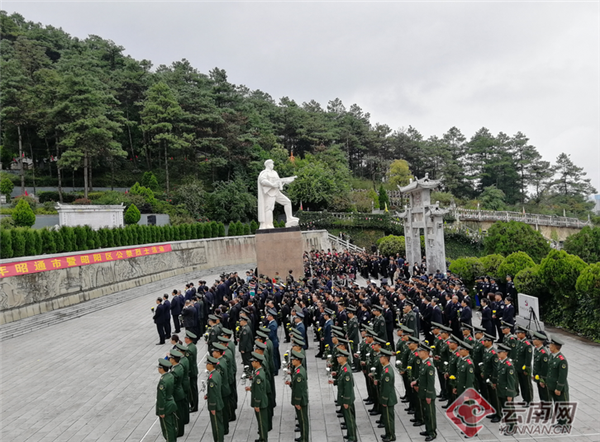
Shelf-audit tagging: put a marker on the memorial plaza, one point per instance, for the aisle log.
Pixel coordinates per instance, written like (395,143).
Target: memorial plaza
(88,373)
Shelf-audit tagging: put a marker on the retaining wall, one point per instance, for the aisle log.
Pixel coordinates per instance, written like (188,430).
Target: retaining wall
(28,295)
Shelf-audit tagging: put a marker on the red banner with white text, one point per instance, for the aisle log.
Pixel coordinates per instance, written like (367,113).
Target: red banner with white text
(44,265)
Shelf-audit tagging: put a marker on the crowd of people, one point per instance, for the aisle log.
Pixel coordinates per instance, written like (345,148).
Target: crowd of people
(422,319)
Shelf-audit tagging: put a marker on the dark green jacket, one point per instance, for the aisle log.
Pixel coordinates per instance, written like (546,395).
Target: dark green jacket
(465,375)
(165,403)
(214,396)
(387,390)
(185,381)
(177,372)
(558,370)
(246,339)
(541,358)
(259,389)
(410,321)
(426,380)
(192,355)
(489,369)
(414,365)
(524,354)
(512,341)
(353,333)
(223,370)
(345,386)
(379,327)
(507,379)
(299,386)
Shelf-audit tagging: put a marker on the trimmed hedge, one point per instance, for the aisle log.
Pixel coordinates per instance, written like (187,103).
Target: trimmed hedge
(19,242)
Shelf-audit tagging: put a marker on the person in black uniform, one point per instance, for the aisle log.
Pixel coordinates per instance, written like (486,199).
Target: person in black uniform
(177,303)
(161,319)
(486,317)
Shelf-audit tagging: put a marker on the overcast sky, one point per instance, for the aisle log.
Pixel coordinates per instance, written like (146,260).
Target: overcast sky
(529,67)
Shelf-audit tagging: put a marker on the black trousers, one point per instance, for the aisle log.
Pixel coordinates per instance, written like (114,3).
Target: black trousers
(176,323)
(161,332)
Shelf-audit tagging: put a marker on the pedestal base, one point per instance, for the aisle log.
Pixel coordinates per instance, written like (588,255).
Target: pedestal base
(280,250)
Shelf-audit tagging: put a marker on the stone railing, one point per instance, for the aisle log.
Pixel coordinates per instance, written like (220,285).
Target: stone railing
(528,218)
(340,244)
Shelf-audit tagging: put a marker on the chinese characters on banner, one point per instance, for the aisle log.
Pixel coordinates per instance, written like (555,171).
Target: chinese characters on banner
(43,265)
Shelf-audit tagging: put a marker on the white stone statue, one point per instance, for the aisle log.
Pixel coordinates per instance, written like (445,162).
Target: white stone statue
(269,192)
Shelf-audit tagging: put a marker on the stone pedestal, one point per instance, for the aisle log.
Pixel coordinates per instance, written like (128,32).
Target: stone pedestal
(280,250)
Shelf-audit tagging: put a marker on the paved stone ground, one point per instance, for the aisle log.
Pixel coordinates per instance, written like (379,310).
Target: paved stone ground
(90,375)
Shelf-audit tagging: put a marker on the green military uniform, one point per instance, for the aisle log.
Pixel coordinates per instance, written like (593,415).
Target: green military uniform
(213,334)
(214,401)
(404,355)
(426,384)
(376,364)
(511,341)
(541,357)
(379,327)
(192,355)
(413,369)
(345,396)
(465,375)
(365,350)
(260,400)
(232,402)
(185,380)
(387,392)
(507,386)
(246,344)
(165,404)
(522,363)
(183,413)
(299,387)
(410,321)
(354,337)
(454,357)
(558,370)
(440,355)
(489,374)
(223,369)
(477,358)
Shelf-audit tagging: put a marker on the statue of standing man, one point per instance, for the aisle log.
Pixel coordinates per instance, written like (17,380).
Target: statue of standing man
(269,192)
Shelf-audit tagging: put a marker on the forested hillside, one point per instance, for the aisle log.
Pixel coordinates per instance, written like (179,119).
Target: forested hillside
(85,113)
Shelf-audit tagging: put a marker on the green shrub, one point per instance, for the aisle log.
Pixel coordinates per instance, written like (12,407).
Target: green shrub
(110,238)
(102,237)
(6,249)
(38,242)
(491,263)
(221,231)
(199,230)
(91,238)
(505,238)
(58,240)
(390,245)
(30,246)
(529,282)
(6,187)
(18,242)
(214,229)
(232,229)
(149,180)
(7,223)
(246,229)
(585,244)
(27,198)
(188,231)
(253,227)
(559,272)
(513,264)
(132,215)
(80,238)
(467,269)
(23,215)
(239,228)
(588,283)
(117,238)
